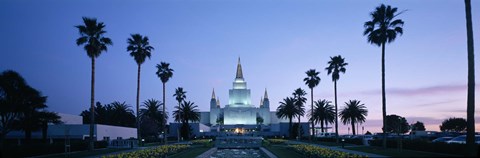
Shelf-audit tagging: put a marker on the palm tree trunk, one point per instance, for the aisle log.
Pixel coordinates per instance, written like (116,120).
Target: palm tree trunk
(163,118)
(28,135)
(290,127)
(139,135)
(336,111)
(92,108)
(44,132)
(298,129)
(384,98)
(471,84)
(321,125)
(353,127)
(313,125)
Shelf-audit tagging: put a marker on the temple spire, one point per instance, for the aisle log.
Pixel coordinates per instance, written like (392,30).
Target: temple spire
(213,94)
(218,102)
(266,95)
(239,69)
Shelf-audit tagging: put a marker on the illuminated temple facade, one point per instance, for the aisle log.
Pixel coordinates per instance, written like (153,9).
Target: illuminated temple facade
(239,110)
(239,115)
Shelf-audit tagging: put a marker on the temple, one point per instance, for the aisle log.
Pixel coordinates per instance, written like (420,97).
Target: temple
(239,110)
(239,115)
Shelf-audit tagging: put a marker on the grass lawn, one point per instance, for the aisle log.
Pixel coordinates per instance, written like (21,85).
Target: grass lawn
(190,153)
(283,151)
(87,153)
(396,153)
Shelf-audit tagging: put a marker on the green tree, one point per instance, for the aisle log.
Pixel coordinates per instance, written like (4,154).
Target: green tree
(382,29)
(31,102)
(323,112)
(139,48)
(353,112)
(471,83)
(312,80)
(259,120)
(396,124)
(300,100)
(121,114)
(287,109)
(185,113)
(94,42)
(46,117)
(164,72)
(454,125)
(11,84)
(152,113)
(336,65)
(417,126)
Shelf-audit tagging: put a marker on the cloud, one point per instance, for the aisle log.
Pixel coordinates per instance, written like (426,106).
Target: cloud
(419,91)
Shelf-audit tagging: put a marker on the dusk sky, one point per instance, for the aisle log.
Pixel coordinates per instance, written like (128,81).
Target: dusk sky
(277,41)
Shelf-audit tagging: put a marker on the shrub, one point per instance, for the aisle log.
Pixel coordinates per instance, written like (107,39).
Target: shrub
(277,141)
(161,151)
(319,152)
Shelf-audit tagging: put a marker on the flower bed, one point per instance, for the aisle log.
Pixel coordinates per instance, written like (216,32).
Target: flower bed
(160,151)
(277,141)
(311,151)
(201,141)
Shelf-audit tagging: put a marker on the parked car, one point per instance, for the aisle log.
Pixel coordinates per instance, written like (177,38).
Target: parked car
(442,139)
(463,140)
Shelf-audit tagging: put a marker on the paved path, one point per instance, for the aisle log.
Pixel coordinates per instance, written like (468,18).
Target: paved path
(269,154)
(207,153)
(338,149)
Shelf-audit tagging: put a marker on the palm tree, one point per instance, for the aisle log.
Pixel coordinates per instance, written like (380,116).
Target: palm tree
(139,48)
(180,95)
(300,100)
(287,109)
(46,117)
(382,29)
(94,41)
(187,111)
(164,73)
(152,111)
(353,112)
(323,112)
(120,113)
(312,80)
(471,83)
(335,66)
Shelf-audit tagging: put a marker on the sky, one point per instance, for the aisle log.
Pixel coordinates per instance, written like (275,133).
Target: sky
(277,41)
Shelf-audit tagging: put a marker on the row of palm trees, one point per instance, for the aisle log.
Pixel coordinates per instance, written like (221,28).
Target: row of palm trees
(92,37)
(323,112)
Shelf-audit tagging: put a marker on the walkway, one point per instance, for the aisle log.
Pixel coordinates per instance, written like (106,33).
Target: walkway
(338,149)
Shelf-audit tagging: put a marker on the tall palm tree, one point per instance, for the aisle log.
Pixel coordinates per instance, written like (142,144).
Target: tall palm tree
(323,112)
(353,112)
(185,112)
(300,100)
(336,65)
(382,29)
(471,83)
(180,95)
(164,72)
(287,110)
(139,48)
(94,41)
(312,80)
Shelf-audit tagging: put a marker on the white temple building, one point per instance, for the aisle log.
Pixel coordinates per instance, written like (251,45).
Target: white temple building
(239,115)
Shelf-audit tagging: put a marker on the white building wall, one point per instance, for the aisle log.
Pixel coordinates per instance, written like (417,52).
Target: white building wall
(113,132)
